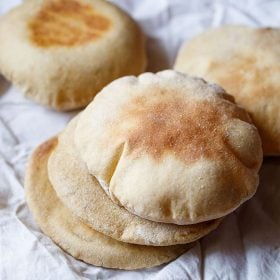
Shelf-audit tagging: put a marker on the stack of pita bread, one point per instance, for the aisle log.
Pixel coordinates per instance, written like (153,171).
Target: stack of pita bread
(152,164)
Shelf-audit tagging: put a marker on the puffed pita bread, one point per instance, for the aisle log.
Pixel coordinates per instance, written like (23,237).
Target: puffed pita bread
(81,193)
(75,237)
(170,148)
(60,53)
(245,61)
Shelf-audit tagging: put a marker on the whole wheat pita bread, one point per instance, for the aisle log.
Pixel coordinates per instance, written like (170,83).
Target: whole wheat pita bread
(245,62)
(84,196)
(60,53)
(75,237)
(170,147)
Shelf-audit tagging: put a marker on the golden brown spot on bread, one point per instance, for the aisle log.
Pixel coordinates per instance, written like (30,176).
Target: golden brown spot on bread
(189,130)
(67,23)
(249,80)
(244,78)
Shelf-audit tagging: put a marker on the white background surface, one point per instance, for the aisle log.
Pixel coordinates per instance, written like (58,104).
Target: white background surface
(245,246)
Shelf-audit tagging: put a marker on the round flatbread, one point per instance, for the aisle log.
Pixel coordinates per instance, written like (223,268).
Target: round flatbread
(60,53)
(245,62)
(81,193)
(75,237)
(170,148)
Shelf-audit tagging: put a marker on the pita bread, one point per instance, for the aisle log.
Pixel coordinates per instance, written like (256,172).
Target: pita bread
(170,148)
(245,61)
(60,53)
(81,193)
(75,237)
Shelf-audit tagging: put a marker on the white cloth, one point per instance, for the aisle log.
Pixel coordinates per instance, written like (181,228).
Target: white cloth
(245,246)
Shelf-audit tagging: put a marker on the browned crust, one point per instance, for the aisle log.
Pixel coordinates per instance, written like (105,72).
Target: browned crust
(169,124)
(67,23)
